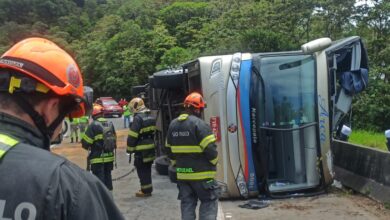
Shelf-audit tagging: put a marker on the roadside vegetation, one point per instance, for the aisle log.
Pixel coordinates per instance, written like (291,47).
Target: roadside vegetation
(369,138)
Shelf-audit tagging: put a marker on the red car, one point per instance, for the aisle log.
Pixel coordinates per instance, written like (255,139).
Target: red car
(110,107)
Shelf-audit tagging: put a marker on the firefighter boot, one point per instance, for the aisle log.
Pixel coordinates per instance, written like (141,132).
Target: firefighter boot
(141,194)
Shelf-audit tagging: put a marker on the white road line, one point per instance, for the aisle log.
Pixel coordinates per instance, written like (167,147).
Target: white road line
(223,215)
(220,215)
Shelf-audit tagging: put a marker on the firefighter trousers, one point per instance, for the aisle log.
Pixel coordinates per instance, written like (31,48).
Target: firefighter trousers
(192,191)
(74,134)
(144,171)
(103,172)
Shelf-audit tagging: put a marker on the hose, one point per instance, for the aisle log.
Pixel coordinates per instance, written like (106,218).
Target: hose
(124,175)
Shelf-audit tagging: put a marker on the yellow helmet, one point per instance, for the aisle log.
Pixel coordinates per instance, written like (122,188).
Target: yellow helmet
(136,105)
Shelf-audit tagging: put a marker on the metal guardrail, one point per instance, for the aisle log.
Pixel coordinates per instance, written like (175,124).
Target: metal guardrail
(363,169)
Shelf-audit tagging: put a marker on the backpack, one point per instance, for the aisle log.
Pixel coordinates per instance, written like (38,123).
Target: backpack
(109,137)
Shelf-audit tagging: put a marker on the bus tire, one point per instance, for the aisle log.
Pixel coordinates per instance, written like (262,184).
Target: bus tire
(172,173)
(136,90)
(168,79)
(161,165)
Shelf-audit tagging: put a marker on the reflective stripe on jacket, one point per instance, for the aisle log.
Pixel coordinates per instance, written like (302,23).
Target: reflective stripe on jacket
(84,120)
(93,140)
(6,143)
(75,121)
(191,145)
(140,139)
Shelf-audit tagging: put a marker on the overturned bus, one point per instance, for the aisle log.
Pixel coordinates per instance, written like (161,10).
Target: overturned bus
(274,114)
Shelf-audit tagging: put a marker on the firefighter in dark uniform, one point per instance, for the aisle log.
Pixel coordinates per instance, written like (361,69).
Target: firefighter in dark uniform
(101,160)
(191,146)
(140,141)
(40,84)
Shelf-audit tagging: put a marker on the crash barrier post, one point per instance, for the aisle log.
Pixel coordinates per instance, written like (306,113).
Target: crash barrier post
(366,170)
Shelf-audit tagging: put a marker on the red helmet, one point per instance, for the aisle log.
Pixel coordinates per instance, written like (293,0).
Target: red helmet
(196,100)
(52,68)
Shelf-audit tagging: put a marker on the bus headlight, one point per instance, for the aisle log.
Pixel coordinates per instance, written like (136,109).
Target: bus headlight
(241,184)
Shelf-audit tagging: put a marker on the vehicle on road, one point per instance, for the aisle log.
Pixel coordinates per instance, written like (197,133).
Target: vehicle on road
(274,115)
(109,106)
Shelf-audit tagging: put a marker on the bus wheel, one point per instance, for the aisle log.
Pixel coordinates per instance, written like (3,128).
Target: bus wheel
(172,173)
(162,164)
(168,79)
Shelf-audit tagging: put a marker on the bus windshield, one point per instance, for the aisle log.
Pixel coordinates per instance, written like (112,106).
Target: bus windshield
(288,93)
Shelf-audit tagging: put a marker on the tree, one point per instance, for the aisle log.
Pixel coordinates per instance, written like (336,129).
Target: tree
(369,110)
(180,12)
(175,56)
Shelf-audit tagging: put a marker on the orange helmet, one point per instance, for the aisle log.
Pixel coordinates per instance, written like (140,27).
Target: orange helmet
(196,100)
(52,68)
(97,109)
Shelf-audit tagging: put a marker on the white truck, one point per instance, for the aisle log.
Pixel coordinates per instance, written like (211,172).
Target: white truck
(274,114)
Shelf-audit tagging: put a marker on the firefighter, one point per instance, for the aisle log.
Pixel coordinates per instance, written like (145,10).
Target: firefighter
(191,146)
(140,141)
(40,84)
(101,156)
(74,130)
(83,124)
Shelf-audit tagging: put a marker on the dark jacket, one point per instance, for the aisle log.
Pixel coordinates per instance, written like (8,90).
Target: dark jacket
(191,145)
(141,136)
(93,140)
(47,185)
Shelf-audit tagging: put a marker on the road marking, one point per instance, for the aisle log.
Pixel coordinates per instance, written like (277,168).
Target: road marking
(220,215)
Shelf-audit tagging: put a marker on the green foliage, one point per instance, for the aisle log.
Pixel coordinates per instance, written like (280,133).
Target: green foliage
(118,43)
(175,56)
(13,32)
(371,109)
(180,12)
(369,138)
(257,40)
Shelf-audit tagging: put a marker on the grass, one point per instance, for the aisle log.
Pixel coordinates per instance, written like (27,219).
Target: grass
(387,205)
(369,139)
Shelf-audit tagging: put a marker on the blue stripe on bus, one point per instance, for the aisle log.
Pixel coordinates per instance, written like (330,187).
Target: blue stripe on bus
(244,87)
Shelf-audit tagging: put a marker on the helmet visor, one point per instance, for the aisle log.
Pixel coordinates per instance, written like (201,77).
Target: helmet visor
(88,99)
(85,104)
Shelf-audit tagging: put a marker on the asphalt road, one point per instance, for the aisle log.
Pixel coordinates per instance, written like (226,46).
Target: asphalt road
(164,204)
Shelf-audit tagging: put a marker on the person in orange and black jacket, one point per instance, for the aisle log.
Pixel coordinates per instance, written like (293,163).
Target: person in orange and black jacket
(191,146)
(40,84)
(140,141)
